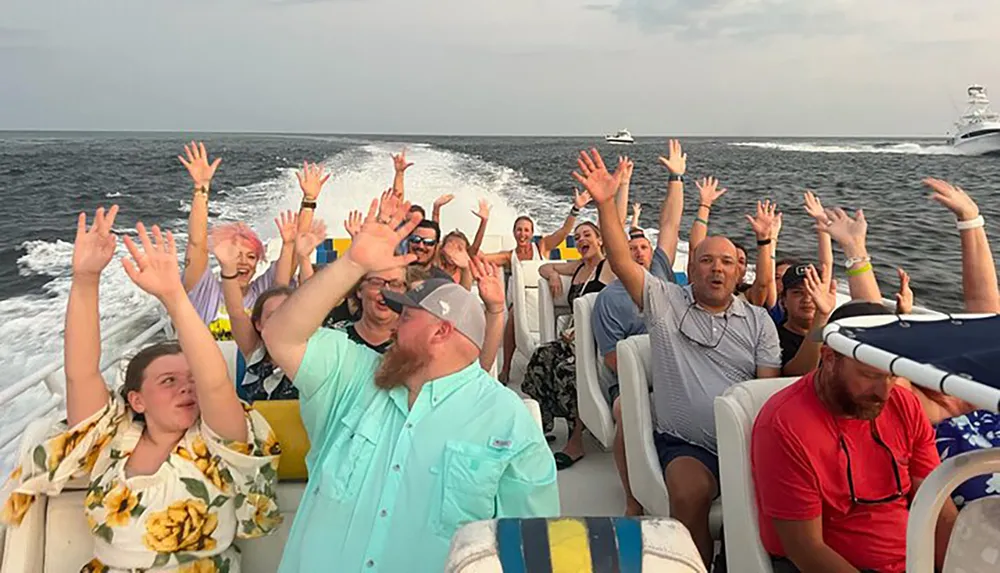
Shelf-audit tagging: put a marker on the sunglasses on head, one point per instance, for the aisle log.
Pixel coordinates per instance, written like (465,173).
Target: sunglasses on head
(415,240)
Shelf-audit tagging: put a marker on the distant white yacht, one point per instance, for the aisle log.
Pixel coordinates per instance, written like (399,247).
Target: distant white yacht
(623,137)
(977,131)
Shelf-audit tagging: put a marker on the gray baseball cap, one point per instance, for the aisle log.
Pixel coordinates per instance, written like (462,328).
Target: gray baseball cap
(446,300)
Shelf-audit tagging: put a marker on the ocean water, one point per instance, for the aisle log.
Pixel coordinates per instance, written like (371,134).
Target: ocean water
(47,178)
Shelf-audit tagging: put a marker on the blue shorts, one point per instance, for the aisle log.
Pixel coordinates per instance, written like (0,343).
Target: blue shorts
(669,448)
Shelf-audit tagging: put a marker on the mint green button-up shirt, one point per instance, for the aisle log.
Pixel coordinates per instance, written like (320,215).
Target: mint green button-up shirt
(389,485)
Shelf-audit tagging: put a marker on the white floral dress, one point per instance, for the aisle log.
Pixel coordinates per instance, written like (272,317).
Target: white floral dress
(183,518)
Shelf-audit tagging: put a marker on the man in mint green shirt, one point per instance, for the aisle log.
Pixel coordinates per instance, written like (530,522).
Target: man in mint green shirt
(408,445)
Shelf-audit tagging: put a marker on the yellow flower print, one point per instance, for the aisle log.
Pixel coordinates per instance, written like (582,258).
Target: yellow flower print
(271,446)
(91,522)
(119,504)
(15,475)
(199,566)
(95,451)
(205,462)
(265,514)
(15,507)
(60,446)
(185,525)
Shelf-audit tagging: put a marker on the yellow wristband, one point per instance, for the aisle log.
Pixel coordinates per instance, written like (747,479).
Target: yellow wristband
(860,270)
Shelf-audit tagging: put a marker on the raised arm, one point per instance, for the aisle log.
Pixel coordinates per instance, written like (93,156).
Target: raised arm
(851,234)
(483,213)
(311,180)
(154,270)
(400,165)
(246,337)
(601,185)
(765,225)
(552,241)
(815,209)
(979,275)
(86,390)
(195,159)
(822,289)
(626,166)
(636,213)
(673,203)
(297,319)
(460,258)
(708,192)
(490,280)
(438,204)
(288,228)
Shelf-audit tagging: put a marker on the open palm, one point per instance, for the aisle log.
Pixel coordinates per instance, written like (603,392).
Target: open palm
(374,247)
(154,267)
(490,281)
(954,198)
(94,247)
(309,239)
(195,159)
(311,179)
(595,178)
(708,190)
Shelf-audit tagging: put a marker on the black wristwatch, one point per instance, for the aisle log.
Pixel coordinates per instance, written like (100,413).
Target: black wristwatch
(763,242)
(675,177)
(308,204)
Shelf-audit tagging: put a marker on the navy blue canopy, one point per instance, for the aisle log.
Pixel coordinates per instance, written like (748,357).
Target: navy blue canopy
(968,347)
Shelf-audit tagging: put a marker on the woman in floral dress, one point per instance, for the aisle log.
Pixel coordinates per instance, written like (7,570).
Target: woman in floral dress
(177,466)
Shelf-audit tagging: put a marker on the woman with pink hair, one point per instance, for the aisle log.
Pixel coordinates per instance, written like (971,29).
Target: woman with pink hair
(204,288)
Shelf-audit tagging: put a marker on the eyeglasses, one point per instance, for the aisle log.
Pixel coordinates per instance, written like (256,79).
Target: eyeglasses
(415,240)
(895,472)
(706,345)
(378,283)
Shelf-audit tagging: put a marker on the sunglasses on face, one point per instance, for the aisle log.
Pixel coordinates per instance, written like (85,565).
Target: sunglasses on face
(415,240)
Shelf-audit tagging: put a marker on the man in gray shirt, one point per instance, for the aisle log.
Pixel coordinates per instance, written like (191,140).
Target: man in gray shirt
(703,340)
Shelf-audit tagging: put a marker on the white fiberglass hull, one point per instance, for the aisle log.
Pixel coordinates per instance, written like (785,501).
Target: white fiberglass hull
(979,145)
(616,141)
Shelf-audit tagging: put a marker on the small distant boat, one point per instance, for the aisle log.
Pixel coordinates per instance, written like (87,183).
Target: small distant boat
(977,131)
(623,137)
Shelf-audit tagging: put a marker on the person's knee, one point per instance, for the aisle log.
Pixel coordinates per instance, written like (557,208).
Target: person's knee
(691,487)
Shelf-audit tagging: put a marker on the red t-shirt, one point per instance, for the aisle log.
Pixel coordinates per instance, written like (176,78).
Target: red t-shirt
(800,472)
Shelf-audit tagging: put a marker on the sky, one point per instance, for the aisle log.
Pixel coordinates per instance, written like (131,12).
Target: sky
(508,67)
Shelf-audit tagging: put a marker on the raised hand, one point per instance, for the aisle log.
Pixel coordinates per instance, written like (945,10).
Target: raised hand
(954,198)
(850,233)
(455,254)
(626,166)
(484,210)
(595,178)
(388,203)
(288,226)
(813,206)
(443,200)
(904,298)
(353,223)
(822,289)
(311,179)
(636,211)
(374,246)
(490,279)
(676,160)
(307,241)
(708,190)
(765,220)
(94,247)
(580,200)
(154,268)
(228,255)
(399,162)
(195,159)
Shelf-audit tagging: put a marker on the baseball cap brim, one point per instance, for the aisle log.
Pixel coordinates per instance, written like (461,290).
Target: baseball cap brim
(851,309)
(397,301)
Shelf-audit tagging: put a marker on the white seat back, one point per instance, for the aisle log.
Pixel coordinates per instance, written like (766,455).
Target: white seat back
(524,288)
(735,412)
(644,473)
(535,409)
(551,308)
(594,410)
(492,244)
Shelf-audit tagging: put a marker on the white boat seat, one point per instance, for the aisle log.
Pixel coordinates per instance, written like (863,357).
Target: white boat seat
(551,308)
(535,409)
(662,545)
(593,407)
(735,412)
(524,291)
(974,546)
(644,472)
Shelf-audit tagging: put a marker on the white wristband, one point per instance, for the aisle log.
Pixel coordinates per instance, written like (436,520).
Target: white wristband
(970,224)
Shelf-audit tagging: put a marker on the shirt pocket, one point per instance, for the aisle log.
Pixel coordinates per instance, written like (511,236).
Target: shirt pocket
(469,481)
(350,454)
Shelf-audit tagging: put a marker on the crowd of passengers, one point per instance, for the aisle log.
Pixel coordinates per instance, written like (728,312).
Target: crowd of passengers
(387,351)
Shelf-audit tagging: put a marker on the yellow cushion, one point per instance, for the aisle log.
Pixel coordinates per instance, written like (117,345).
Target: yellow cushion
(341,245)
(286,421)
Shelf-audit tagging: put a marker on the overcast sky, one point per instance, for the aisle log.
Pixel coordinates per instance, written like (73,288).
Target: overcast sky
(551,67)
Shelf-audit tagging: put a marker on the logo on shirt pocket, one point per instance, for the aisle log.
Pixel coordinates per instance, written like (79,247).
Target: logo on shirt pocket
(470,480)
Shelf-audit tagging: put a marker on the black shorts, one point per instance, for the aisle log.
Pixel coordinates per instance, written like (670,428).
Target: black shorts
(669,448)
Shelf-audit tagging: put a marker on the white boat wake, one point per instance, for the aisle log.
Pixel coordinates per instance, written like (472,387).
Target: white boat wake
(902,147)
